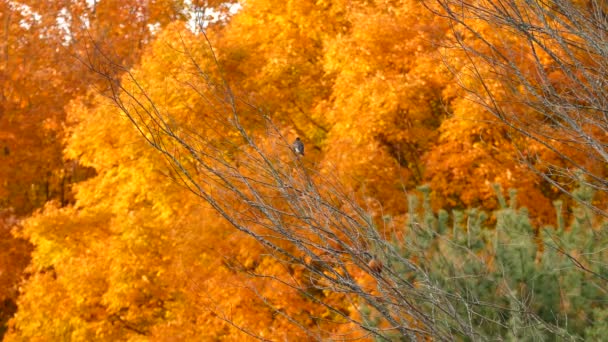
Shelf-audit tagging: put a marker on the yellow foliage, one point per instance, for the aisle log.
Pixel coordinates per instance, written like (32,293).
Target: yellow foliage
(138,255)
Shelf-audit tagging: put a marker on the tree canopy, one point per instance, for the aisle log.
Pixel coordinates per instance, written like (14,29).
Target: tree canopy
(150,185)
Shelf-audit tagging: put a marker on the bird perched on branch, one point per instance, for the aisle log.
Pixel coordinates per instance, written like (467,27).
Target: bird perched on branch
(298,146)
(374,263)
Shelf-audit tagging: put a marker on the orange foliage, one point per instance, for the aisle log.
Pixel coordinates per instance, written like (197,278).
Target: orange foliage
(131,252)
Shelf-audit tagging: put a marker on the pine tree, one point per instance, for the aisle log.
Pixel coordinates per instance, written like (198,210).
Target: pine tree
(502,279)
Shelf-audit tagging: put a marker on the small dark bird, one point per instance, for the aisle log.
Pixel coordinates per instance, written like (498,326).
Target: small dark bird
(298,146)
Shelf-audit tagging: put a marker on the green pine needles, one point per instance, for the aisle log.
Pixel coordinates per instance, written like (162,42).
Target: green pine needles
(503,278)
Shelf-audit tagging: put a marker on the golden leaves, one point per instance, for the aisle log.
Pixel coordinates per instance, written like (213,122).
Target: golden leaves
(361,82)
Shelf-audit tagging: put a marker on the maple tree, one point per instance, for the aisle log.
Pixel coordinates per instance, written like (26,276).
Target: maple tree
(382,134)
(538,69)
(13,260)
(389,120)
(132,269)
(40,73)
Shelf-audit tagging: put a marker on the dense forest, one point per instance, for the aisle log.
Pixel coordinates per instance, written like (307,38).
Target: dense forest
(452,183)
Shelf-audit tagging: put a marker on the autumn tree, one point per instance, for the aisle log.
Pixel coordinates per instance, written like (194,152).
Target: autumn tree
(545,82)
(386,99)
(13,260)
(201,221)
(237,159)
(120,264)
(40,44)
(402,124)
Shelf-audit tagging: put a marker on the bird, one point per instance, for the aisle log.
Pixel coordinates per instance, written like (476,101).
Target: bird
(298,146)
(374,264)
